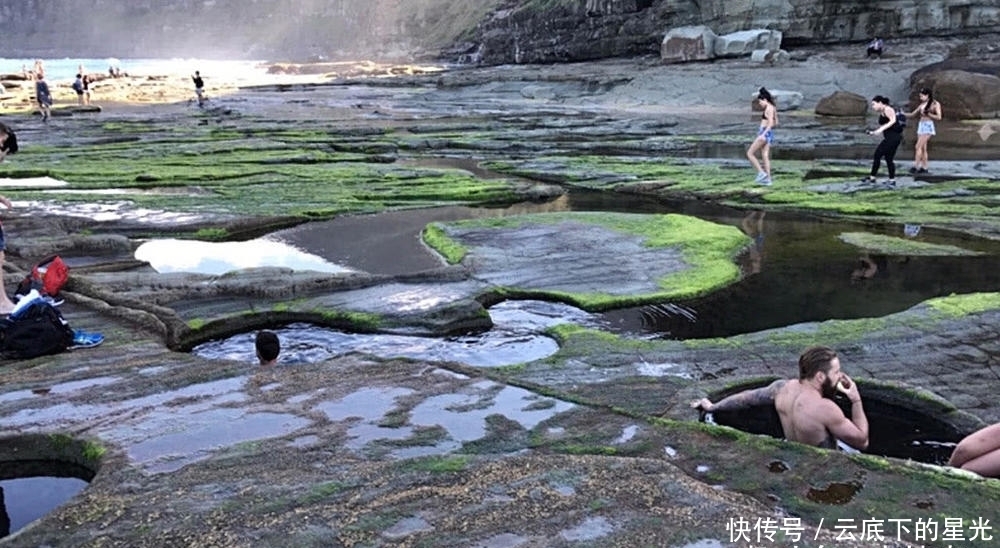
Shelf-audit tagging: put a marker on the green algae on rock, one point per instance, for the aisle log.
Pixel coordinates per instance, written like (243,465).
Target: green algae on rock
(889,245)
(650,257)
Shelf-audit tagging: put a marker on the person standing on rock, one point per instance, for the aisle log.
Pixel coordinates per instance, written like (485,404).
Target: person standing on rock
(892,136)
(199,87)
(78,88)
(805,405)
(929,111)
(86,89)
(43,96)
(765,136)
(875,48)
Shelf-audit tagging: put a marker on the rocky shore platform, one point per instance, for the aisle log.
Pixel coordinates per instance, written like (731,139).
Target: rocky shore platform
(594,445)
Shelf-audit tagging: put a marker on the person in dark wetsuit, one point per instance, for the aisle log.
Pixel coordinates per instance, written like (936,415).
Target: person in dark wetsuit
(805,405)
(892,136)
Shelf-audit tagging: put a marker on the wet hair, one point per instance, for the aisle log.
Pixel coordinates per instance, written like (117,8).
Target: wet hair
(815,359)
(881,99)
(267,345)
(930,98)
(762,93)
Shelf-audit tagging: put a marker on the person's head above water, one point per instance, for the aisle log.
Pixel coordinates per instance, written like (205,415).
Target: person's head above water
(267,346)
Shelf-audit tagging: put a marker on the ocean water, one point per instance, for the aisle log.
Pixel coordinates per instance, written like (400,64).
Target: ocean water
(65,69)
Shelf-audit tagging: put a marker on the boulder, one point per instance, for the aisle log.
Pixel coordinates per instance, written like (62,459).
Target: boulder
(783,99)
(842,103)
(965,90)
(682,44)
(770,57)
(738,44)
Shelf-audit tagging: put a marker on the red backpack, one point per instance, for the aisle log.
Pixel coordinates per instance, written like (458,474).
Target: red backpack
(48,277)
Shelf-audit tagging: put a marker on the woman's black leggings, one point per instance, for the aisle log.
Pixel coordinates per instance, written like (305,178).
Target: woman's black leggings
(887,149)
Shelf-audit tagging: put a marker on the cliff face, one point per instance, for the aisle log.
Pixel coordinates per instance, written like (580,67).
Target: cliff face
(536,31)
(487,31)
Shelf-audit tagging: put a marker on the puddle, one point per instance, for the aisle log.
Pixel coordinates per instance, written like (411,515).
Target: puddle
(462,417)
(194,436)
(705,543)
(31,489)
(406,527)
(165,431)
(589,529)
(797,271)
(114,211)
(834,493)
(199,257)
(778,466)
(516,337)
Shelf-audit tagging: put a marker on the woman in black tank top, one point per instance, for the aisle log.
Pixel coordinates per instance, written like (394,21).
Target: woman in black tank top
(892,136)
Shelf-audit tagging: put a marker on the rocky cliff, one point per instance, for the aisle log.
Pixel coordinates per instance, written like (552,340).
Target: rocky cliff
(486,31)
(531,31)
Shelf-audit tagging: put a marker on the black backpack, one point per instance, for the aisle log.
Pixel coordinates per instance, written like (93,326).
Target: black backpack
(38,330)
(900,119)
(10,145)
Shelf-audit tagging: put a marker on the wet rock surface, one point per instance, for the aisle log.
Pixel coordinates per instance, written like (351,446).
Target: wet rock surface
(594,445)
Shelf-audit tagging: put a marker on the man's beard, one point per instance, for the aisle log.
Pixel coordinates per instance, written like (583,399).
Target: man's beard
(829,388)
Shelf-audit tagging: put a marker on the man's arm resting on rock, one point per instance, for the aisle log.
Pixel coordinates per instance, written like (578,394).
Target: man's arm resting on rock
(742,400)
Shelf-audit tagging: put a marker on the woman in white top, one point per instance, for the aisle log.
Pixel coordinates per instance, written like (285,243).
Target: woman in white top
(929,110)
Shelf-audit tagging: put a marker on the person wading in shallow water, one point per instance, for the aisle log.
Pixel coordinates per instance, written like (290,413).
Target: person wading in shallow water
(765,136)
(805,405)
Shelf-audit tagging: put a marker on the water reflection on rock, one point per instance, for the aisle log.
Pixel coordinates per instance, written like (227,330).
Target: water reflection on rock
(172,255)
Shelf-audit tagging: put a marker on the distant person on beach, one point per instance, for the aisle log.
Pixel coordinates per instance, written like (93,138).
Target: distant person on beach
(892,136)
(805,405)
(267,346)
(199,87)
(6,306)
(765,136)
(929,111)
(8,141)
(86,89)
(43,96)
(875,48)
(78,88)
(979,452)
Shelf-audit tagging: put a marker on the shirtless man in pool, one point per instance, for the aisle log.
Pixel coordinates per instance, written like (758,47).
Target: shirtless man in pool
(805,406)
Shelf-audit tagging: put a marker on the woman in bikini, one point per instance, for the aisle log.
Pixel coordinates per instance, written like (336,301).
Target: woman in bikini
(765,136)
(929,110)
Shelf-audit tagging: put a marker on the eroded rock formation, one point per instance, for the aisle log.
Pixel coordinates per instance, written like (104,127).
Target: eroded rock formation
(487,31)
